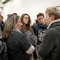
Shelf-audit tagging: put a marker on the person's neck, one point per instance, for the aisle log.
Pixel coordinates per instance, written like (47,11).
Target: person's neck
(17,29)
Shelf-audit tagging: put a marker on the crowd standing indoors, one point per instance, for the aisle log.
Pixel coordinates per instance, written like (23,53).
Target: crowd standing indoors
(21,41)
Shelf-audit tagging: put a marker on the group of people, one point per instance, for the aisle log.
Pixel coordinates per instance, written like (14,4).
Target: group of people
(39,40)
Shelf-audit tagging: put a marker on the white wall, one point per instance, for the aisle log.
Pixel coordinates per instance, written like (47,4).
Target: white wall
(32,7)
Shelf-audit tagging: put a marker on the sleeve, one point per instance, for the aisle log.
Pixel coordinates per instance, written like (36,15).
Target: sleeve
(47,44)
(27,47)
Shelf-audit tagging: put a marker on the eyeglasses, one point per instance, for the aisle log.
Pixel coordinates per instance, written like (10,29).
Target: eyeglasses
(26,17)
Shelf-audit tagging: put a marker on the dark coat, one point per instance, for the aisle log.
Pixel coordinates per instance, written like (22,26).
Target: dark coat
(39,27)
(32,39)
(17,45)
(50,48)
(2,26)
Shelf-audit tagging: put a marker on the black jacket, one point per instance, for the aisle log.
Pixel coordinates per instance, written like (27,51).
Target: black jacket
(17,45)
(50,48)
(38,27)
(2,26)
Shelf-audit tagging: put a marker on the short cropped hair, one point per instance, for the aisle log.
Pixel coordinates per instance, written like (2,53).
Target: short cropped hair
(40,14)
(53,11)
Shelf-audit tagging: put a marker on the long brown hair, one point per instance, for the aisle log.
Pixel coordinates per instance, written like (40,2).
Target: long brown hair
(26,26)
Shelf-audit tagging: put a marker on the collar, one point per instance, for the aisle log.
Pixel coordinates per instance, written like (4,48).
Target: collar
(17,30)
(52,23)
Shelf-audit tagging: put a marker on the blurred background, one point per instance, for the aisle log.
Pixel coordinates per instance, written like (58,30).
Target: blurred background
(32,7)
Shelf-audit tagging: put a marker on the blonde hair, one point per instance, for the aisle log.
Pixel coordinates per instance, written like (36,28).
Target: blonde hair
(9,25)
(53,11)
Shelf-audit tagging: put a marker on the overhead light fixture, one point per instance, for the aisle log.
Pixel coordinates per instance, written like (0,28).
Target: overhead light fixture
(4,1)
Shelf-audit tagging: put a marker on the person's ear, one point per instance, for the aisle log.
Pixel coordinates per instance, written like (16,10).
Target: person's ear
(53,17)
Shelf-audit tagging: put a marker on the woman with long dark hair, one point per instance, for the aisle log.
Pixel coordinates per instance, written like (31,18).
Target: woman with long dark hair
(28,31)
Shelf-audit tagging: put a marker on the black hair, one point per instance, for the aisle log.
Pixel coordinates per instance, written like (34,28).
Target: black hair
(40,14)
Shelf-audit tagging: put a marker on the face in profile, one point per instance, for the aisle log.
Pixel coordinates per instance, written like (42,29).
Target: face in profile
(26,19)
(47,19)
(18,23)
